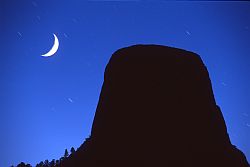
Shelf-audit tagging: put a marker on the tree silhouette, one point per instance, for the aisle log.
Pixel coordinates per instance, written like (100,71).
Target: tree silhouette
(46,163)
(52,163)
(57,162)
(72,150)
(41,164)
(66,153)
(22,164)
(61,159)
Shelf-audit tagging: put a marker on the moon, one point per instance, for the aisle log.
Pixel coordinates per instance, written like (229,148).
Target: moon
(53,49)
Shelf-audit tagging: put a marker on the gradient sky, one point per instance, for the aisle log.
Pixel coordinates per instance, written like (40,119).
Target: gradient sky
(48,104)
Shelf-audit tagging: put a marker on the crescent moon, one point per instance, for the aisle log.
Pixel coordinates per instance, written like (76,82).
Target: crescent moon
(53,49)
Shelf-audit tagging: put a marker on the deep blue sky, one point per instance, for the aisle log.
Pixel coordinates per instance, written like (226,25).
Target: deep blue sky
(48,104)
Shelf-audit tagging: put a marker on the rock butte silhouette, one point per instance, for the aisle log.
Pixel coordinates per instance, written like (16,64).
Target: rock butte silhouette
(157,108)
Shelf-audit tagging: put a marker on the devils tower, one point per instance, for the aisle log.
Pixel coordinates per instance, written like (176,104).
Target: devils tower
(157,108)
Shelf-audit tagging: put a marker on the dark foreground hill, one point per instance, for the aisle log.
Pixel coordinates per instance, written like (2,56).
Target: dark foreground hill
(157,108)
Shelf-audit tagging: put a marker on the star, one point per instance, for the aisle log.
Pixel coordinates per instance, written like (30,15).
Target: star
(65,35)
(34,4)
(70,100)
(223,83)
(188,33)
(20,35)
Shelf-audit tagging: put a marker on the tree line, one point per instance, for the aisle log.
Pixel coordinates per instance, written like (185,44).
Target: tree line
(47,163)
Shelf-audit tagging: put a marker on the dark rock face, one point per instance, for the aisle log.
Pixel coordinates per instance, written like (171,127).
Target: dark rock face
(157,108)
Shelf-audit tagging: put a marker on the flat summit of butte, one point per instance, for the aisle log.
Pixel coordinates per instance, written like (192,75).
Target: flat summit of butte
(157,108)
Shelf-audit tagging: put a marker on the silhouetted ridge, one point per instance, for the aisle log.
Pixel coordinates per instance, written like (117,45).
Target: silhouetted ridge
(157,108)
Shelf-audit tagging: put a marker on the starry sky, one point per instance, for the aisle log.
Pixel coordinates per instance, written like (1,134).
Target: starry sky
(48,104)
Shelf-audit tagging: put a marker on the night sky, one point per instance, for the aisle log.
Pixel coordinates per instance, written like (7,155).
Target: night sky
(48,104)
